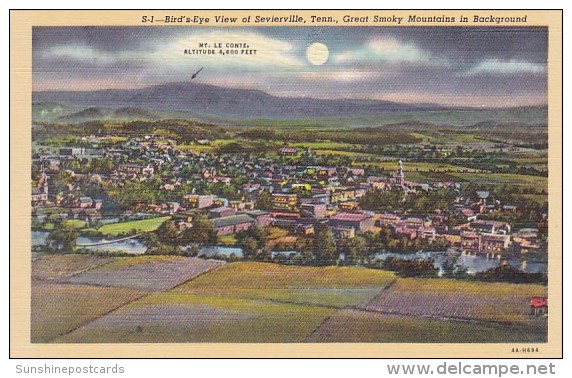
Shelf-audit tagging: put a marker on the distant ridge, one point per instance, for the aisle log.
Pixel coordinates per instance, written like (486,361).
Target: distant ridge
(207,99)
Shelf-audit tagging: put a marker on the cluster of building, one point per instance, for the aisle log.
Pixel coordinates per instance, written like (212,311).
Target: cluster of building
(303,198)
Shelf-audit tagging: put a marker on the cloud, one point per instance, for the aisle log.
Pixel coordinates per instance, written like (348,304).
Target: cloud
(269,53)
(352,76)
(80,53)
(506,67)
(389,50)
(169,53)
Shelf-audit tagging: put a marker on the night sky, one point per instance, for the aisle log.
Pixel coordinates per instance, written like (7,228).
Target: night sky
(459,66)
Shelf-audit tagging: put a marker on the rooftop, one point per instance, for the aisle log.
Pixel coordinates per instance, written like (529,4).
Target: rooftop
(232,220)
(354,217)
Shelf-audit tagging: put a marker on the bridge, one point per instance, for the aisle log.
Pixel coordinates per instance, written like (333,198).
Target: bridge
(105,242)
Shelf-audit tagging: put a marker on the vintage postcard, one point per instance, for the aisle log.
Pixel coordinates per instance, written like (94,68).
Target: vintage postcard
(286,183)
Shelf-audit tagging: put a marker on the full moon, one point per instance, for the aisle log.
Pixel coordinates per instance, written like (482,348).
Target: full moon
(317,53)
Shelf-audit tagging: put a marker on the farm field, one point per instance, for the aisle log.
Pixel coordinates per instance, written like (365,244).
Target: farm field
(178,299)
(54,267)
(138,225)
(152,273)
(445,298)
(60,308)
(415,166)
(537,182)
(183,317)
(361,326)
(327,286)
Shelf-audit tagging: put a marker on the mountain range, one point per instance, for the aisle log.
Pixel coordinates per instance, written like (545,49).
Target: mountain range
(204,99)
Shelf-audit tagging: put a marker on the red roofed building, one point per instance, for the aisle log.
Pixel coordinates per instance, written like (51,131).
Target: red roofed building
(538,305)
(360,222)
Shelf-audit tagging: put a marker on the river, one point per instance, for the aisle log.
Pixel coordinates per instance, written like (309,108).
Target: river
(473,263)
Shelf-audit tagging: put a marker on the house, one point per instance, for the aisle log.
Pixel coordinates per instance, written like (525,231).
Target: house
(40,193)
(413,222)
(321,198)
(349,206)
(85,202)
(232,224)
(284,201)
(261,218)
(538,306)
(470,242)
(489,243)
(468,214)
(494,243)
(509,209)
(387,219)
(491,227)
(359,221)
(199,201)
(357,171)
(130,168)
(427,233)
(315,210)
(220,212)
(408,232)
(288,151)
(242,205)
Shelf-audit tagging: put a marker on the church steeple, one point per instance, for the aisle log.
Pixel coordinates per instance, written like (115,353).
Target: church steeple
(400,174)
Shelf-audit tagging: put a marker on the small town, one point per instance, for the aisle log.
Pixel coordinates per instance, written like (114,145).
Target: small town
(286,192)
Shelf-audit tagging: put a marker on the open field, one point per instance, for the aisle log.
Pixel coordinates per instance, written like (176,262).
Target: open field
(328,286)
(537,182)
(227,240)
(60,308)
(326,145)
(499,302)
(415,166)
(177,299)
(360,326)
(346,153)
(152,273)
(54,267)
(183,317)
(144,225)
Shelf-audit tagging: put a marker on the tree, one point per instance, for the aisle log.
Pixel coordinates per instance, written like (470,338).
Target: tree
(264,201)
(202,232)
(357,249)
(325,246)
(249,247)
(62,238)
(168,232)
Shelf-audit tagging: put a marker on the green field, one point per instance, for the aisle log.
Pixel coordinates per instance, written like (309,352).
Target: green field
(391,165)
(325,145)
(229,240)
(537,182)
(183,317)
(144,225)
(328,286)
